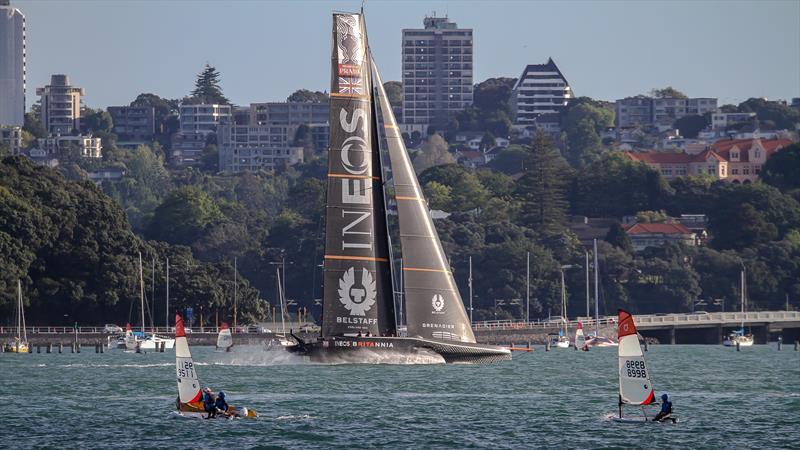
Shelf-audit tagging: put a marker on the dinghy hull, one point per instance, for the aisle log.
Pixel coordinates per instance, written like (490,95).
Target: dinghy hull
(360,349)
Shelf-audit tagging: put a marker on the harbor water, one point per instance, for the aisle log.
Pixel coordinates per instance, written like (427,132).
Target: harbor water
(557,399)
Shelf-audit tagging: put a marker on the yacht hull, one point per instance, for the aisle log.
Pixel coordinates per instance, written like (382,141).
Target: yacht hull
(363,349)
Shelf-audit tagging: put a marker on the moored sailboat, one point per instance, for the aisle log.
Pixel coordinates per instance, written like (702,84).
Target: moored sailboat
(190,397)
(358,303)
(20,342)
(739,337)
(145,342)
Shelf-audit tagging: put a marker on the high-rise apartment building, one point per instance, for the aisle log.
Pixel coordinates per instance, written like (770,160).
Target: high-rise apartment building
(541,89)
(12,65)
(203,118)
(661,112)
(437,73)
(61,105)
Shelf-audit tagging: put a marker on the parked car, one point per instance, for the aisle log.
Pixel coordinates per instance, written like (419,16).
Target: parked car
(110,328)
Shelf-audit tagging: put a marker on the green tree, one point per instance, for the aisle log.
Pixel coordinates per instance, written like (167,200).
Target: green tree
(394,92)
(509,161)
(303,138)
(782,169)
(434,152)
(651,216)
(34,126)
(207,88)
(542,188)
(619,238)
(466,190)
(183,216)
(781,116)
(438,195)
(667,92)
(690,126)
(306,96)
(98,121)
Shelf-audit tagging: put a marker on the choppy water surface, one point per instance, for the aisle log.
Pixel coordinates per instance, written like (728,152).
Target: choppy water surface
(542,399)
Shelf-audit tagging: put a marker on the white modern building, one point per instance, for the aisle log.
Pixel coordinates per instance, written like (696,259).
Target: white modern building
(541,89)
(90,147)
(721,120)
(12,65)
(202,118)
(437,73)
(60,105)
(252,147)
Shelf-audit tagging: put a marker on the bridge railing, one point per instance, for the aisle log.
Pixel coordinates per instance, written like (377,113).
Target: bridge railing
(538,324)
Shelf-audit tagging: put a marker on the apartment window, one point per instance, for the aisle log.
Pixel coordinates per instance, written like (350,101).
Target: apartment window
(734,171)
(757,170)
(734,155)
(758,154)
(746,171)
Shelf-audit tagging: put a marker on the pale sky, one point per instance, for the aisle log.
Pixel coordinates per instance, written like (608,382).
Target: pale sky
(116,49)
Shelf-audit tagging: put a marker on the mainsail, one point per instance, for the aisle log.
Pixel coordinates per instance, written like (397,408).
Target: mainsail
(433,303)
(224,338)
(188,385)
(635,385)
(580,339)
(357,282)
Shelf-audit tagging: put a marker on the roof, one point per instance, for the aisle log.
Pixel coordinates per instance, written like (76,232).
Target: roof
(723,147)
(656,228)
(549,66)
(672,157)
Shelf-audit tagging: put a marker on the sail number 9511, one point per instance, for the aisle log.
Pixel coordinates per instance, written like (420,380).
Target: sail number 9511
(186,369)
(635,369)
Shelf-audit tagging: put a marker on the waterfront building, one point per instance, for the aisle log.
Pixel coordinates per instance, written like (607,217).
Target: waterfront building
(60,105)
(89,146)
(254,147)
(133,124)
(12,65)
(202,118)
(541,89)
(661,112)
(437,73)
(11,136)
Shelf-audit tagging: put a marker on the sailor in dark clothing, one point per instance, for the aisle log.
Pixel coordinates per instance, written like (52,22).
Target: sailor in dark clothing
(221,405)
(666,409)
(209,403)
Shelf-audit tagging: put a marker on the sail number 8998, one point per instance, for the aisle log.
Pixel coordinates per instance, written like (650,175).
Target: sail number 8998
(636,369)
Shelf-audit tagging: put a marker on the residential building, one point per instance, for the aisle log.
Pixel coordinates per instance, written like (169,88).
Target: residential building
(645,235)
(661,112)
(734,160)
(89,146)
(437,73)
(256,147)
(541,89)
(589,228)
(293,114)
(745,157)
(186,149)
(133,123)
(11,136)
(202,118)
(12,65)
(107,173)
(721,120)
(60,105)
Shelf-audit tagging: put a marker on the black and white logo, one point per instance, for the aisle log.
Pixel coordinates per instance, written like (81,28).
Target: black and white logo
(357,298)
(438,303)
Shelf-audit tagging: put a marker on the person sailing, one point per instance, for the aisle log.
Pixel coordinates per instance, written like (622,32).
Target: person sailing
(666,409)
(209,403)
(221,405)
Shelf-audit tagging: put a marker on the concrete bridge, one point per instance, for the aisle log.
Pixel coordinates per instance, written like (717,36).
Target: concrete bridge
(697,328)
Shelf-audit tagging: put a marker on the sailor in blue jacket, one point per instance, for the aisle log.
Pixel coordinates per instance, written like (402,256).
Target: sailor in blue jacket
(221,405)
(666,409)
(209,403)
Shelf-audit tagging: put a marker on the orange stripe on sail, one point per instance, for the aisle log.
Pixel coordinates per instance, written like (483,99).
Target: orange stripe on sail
(356,96)
(420,269)
(347,175)
(356,258)
(394,127)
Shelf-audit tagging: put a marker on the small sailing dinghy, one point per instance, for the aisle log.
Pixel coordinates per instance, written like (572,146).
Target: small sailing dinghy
(224,338)
(190,396)
(635,382)
(580,339)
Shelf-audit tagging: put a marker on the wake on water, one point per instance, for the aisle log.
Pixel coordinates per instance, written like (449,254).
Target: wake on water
(257,356)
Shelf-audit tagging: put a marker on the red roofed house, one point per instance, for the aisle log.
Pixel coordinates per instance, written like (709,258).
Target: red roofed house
(746,156)
(734,160)
(645,235)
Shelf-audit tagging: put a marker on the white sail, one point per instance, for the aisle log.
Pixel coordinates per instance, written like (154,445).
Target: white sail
(635,383)
(224,338)
(188,384)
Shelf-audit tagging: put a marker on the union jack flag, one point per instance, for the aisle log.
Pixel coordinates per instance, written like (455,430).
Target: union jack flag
(350,85)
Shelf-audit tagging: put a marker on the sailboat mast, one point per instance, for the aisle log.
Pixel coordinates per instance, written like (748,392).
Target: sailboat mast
(280,293)
(563,303)
(527,288)
(141,288)
(588,296)
(596,293)
(235,290)
(167,305)
(19,310)
(470,290)
(743,296)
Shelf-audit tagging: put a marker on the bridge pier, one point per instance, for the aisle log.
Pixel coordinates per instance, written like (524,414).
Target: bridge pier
(761,334)
(672,336)
(720,334)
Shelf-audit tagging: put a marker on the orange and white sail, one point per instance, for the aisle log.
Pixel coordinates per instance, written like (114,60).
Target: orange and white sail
(188,385)
(635,383)
(224,338)
(580,339)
